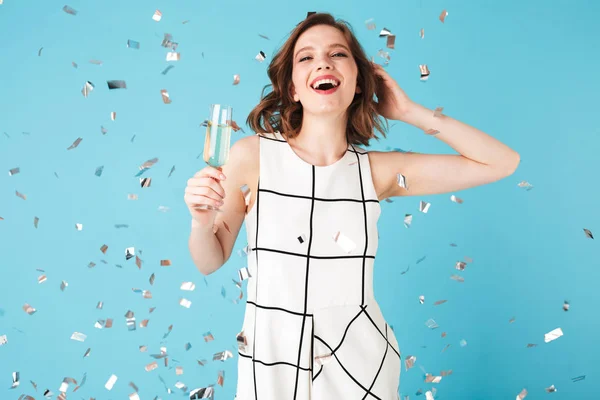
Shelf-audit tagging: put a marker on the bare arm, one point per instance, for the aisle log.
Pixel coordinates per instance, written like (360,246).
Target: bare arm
(210,248)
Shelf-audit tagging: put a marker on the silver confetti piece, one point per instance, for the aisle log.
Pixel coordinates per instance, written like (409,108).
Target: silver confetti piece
(87,88)
(111,382)
(553,335)
(117,84)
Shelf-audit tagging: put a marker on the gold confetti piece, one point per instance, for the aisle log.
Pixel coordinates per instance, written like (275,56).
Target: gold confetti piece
(457,278)
(370,24)
(3,340)
(145,182)
(42,279)
(28,309)
(157,15)
(165,96)
(460,265)
(80,337)
(144,323)
(422,33)
(432,379)
(79,227)
(14,171)
(511,320)
(188,286)
(522,395)
(422,299)
(111,382)
(165,263)
(524,184)
(446,373)
(456,199)
(178,370)
(104,248)
(173,56)
(75,144)
(566,306)
(138,262)
(242,341)
(444,334)
(431,324)
(63,285)
(409,362)
(438,112)
(391,40)
(21,195)
(553,335)
(152,309)
(132,197)
(185,303)
(236,79)
(208,337)
(424,72)
(113,115)
(588,233)
(424,206)
(344,242)
(261,56)
(401,180)
(437,303)
(408,220)
(551,389)
(132,44)
(443,15)
(87,88)
(69,10)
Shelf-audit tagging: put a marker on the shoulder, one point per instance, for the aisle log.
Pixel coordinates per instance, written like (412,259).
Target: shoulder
(245,151)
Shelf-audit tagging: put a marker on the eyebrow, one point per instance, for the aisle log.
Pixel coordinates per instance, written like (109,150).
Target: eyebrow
(330,46)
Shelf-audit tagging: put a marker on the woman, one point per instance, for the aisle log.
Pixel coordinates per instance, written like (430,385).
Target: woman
(312,328)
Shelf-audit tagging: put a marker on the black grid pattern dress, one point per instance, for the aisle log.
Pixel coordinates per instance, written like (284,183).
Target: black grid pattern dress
(312,328)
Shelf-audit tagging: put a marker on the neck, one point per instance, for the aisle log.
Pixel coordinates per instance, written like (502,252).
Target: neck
(322,139)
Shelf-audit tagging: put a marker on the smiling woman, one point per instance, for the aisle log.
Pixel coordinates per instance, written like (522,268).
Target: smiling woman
(291,68)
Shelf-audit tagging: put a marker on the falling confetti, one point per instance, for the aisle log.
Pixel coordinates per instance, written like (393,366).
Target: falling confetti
(157,15)
(172,56)
(424,72)
(236,79)
(116,84)
(165,96)
(69,10)
(553,335)
(370,24)
(424,206)
(167,69)
(87,88)
(14,171)
(443,15)
(588,233)
(261,56)
(132,44)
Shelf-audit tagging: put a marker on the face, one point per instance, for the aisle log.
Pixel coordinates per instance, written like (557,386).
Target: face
(328,53)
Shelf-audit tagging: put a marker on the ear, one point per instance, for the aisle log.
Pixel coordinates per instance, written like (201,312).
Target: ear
(294,94)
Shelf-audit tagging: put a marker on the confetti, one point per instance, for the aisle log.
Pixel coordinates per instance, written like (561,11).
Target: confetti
(168,43)
(14,171)
(437,303)
(236,79)
(74,64)
(96,62)
(79,227)
(432,379)
(579,378)
(75,144)
(422,33)
(460,265)
(384,32)
(522,395)
(401,180)
(409,362)
(422,299)
(116,85)
(188,286)
(167,69)
(157,15)
(431,324)
(185,303)
(566,306)
(424,72)
(16,380)
(588,233)
(443,15)
(551,389)
(463,343)
(202,393)
(145,182)
(165,96)
(178,370)
(40,51)
(28,309)
(391,40)
(553,335)
(261,56)
(80,337)
(344,242)
(103,130)
(36,221)
(263,36)
(113,115)
(69,10)
(111,382)
(99,170)
(63,286)
(456,199)
(165,263)
(524,184)
(457,278)
(42,279)
(87,88)
(132,44)
(172,56)
(408,220)
(3,340)
(370,24)
(424,206)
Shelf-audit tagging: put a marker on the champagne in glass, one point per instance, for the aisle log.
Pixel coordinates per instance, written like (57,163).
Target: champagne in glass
(217,140)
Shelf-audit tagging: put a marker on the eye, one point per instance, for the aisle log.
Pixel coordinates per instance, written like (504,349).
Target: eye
(335,54)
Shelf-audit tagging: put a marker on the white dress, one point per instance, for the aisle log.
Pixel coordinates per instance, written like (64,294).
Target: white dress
(312,328)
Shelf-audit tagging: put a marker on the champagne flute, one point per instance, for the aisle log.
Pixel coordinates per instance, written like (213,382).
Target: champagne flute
(217,140)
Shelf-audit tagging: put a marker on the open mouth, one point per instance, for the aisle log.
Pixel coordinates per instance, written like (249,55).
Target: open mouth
(326,88)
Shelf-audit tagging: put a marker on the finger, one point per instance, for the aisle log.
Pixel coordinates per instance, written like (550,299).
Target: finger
(203,191)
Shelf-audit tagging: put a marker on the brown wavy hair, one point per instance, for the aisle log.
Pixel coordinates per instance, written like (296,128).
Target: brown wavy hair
(277,111)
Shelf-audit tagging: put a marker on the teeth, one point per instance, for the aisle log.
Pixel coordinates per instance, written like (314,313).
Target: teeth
(321,81)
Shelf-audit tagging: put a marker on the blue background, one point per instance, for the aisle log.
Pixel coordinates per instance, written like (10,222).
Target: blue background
(522,71)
